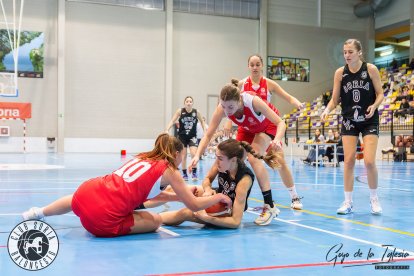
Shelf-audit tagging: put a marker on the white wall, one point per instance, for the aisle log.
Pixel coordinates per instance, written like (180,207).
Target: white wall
(208,52)
(115,60)
(334,14)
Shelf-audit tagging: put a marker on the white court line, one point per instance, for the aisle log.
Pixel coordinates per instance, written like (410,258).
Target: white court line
(43,180)
(169,232)
(11,214)
(337,234)
(40,189)
(19,214)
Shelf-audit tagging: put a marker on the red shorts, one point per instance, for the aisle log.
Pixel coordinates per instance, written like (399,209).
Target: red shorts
(95,213)
(245,135)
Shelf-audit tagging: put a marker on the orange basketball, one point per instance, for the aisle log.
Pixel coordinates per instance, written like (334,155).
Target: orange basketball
(218,209)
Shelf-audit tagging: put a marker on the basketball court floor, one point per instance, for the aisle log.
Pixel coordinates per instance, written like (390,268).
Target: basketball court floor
(314,241)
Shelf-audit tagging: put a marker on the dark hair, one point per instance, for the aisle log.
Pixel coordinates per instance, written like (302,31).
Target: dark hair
(255,55)
(233,148)
(357,44)
(231,91)
(188,97)
(165,147)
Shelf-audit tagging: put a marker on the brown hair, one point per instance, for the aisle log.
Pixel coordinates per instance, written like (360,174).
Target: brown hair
(357,44)
(165,147)
(231,91)
(188,97)
(255,55)
(233,148)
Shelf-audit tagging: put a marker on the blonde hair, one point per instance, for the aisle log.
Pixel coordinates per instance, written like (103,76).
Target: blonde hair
(165,148)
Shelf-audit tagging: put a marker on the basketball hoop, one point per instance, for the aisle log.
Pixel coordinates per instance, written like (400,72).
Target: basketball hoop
(8,80)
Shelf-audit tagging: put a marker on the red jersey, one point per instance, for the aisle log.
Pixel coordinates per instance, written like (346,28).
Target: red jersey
(251,121)
(105,205)
(260,89)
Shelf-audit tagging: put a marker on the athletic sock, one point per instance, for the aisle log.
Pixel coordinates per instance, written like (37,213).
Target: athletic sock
(348,196)
(185,172)
(267,196)
(373,193)
(194,170)
(292,192)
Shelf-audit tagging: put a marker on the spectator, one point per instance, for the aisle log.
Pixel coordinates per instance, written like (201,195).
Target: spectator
(394,65)
(318,138)
(404,108)
(411,65)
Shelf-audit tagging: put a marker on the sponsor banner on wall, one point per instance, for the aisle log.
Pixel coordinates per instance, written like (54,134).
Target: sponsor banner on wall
(9,110)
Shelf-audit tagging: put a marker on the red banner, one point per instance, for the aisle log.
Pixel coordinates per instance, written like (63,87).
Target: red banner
(15,110)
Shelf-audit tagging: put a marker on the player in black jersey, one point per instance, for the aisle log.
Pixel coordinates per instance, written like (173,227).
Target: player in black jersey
(234,180)
(358,87)
(187,132)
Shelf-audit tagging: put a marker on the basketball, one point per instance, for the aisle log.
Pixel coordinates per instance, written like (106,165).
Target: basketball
(218,209)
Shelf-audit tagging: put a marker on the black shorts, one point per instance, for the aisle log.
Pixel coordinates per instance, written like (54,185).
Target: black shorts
(188,141)
(351,128)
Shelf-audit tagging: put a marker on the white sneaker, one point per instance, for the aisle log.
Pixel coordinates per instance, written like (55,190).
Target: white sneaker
(296,203)
(346,208)
(267,215)
(375,206)
(33,213)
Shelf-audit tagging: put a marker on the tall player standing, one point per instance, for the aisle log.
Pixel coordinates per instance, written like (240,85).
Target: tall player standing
(358,86)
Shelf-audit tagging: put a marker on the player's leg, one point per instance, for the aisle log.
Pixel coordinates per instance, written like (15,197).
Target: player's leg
(260,143)
(370,150)
(59,207)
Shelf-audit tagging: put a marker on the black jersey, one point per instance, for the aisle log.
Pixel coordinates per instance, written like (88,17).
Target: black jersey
(227,185)
(188,123)
(357,94)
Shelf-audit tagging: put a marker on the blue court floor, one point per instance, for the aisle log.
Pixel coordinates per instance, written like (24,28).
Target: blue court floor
(303,242)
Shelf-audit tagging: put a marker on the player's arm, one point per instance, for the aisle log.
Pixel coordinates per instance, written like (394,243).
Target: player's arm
(174,178)
(274,87)
(208,180)
(174,118)
(335,94)
(238,207)
(200,119)
(376,81)
(212,127)
(260,106)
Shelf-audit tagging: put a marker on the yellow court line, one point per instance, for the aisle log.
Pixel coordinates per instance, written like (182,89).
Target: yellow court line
(342,219)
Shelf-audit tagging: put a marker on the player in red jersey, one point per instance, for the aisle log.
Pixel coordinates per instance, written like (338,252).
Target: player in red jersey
(259,118)
(105,205)
(265,88)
